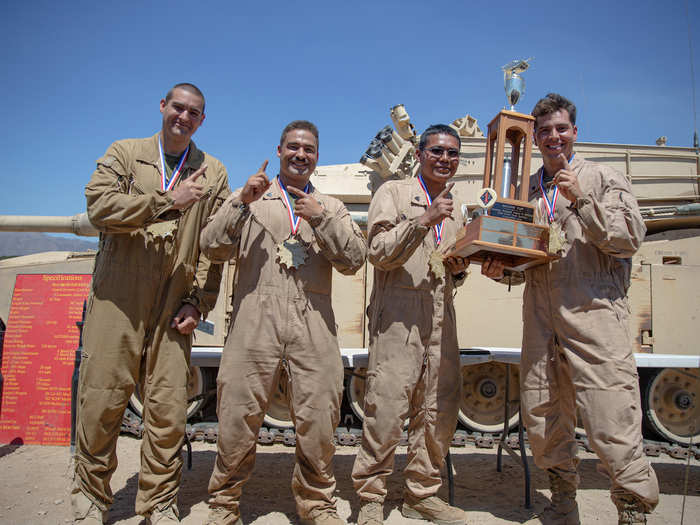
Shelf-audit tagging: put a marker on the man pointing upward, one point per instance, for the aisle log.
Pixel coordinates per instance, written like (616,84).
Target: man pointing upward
(286,237)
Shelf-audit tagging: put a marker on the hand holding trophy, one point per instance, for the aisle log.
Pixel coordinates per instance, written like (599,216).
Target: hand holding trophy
(505,225)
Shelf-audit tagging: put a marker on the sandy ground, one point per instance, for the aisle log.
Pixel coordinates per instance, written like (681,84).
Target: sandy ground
(34,485)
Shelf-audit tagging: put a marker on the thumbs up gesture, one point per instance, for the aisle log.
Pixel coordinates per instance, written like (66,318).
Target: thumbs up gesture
(439,209)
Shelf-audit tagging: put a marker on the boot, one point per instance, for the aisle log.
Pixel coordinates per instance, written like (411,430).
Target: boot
(224,516)
(371,513)
(563,509)
(630,510)
(85,511)
(432,509)
(164,515)
(324,517)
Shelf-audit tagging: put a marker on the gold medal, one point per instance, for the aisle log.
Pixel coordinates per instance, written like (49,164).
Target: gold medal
(557,239)
(437,266)
(163,229)
(291,253)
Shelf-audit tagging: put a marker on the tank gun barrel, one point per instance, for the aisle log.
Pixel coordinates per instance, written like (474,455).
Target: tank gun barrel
(653,212)
(78,224)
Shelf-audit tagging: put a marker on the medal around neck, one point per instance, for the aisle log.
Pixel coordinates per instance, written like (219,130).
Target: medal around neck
(291,253)
(437,266)
(557,239)
(163,230)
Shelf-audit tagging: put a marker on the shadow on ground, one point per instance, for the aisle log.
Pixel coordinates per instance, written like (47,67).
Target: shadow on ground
(270,483)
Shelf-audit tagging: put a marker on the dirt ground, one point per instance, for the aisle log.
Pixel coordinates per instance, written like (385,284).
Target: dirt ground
(34,485)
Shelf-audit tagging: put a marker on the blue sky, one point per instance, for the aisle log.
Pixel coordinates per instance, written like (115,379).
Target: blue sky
(79,75)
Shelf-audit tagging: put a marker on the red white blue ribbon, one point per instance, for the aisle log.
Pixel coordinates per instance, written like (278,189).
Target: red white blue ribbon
(438,227)
(550,205)
(167,184)
(293,219)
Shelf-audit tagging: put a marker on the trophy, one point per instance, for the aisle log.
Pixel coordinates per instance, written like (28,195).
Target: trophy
(503,225)
(514,82)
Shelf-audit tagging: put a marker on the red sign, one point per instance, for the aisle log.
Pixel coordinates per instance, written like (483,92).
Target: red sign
(38,358)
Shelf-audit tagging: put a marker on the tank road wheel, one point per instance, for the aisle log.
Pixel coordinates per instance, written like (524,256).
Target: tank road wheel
(197,385)
(356,393)
(278,414)
(671,404)
(484,396)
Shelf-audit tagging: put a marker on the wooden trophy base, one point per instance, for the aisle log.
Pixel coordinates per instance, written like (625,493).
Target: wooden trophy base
(521,245)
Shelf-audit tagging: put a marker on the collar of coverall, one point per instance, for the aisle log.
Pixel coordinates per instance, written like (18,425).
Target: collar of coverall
(418,195)
(274,191)
(150,154)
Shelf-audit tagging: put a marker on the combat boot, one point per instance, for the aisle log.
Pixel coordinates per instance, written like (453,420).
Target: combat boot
(224,516)
(563,509)
(85,511)
(164,515)
(371,513)
(432,509)
(324,517)
(630,510)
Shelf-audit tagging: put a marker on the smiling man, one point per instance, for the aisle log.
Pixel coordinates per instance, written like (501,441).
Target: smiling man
(286,237)
(414,370)
(149,198)
(577,350)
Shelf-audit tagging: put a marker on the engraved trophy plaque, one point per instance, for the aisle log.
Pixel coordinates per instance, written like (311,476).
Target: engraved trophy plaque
(504,225)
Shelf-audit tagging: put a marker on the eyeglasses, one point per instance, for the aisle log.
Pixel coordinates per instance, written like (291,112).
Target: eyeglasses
(437,152)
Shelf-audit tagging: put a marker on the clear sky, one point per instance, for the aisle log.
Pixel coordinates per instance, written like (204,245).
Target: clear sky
(81,74)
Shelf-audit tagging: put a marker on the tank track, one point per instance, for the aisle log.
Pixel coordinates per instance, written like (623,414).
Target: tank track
(345,436)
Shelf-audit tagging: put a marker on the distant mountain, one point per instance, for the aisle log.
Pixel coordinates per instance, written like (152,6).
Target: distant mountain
(26,243)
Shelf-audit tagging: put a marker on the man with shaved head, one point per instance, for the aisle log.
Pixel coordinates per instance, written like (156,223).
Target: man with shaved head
(149,198)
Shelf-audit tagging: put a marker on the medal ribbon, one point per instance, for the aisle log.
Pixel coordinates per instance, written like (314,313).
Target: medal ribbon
(550,205)
(438,227)
(167,184)
(293,219)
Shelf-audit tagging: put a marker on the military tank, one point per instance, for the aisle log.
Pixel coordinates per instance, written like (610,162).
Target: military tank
(664,293)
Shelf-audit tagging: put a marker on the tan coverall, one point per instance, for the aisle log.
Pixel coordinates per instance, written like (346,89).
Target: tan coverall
(147,266)
(414,369)
(281,317)
(577,348)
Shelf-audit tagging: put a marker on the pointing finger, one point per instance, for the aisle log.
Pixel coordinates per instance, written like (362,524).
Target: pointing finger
(564,161)
(447,190)
(198,173)
(296,192)
(263,167)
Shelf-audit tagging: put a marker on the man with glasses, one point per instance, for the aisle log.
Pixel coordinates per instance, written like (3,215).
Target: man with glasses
(149,198)
(286,238)
(577,348)
(414,367)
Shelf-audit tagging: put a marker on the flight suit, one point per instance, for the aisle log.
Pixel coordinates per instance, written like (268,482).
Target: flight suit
(577,348)
(282,317)
(148,264)
(414,366)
